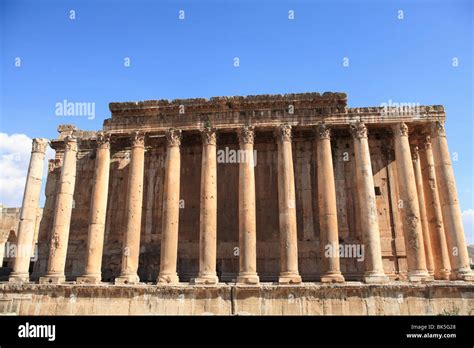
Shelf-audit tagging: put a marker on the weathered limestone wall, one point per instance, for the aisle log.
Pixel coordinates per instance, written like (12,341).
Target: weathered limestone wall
(268,254)
(9,219)
(351,298)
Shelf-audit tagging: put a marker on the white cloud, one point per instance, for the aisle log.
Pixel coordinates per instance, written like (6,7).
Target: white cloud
(15,152)
(468,220)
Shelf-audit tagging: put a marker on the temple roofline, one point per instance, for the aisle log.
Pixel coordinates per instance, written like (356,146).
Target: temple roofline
(333,98)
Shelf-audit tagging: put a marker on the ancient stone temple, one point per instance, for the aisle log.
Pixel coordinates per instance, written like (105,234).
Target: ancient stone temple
(282,190)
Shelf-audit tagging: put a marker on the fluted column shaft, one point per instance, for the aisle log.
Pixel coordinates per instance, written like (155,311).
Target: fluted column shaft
(374,272)
(287,208)
(327,207)
(98,212)
(423,215)
(29,209)
(434,213)
(131,243)
(452,217)
(410,207)
(169,236)
(62,215)
(208,209)
(247,210)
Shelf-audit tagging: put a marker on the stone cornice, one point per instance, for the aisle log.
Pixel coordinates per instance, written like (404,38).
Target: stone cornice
(231,122)
(154,121)
(236,102)
(264,112)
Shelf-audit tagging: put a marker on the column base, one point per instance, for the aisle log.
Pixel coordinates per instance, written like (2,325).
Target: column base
(52,279)
(248,279)
(168,279)
(443,275)
(332,278)
(127,279)
(19,277)
(89,279)
(289,278)
(466,275)
(419,276)
(375,278)
(207,279)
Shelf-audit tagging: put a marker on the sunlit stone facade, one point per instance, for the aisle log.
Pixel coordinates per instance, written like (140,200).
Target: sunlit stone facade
(270,188)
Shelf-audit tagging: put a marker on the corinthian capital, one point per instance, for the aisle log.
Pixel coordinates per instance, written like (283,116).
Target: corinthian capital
(401,129)
(103,140)
(247,135)
(173,137)
(283,132)
(437,129)
(323,131)
(209,136)
(70,143)
(359,130)
(415,155)
(427,142)
(39,145)
(138,139)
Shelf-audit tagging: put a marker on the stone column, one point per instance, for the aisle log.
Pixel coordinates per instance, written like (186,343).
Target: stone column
(98,211)
(131,242)
(169,234)
(2,251)
(247,210)
(208,209)
(62,215)
(374,272)
(287,207)
(409,206)
(450,205)
(423,216)
(44,233)
(434,214)
(29,208)
(327,207)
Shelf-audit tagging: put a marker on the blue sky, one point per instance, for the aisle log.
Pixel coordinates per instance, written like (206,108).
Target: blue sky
(403,60)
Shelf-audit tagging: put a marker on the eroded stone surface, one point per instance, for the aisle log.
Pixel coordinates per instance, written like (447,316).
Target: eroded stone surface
(350,298)
(296,214)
